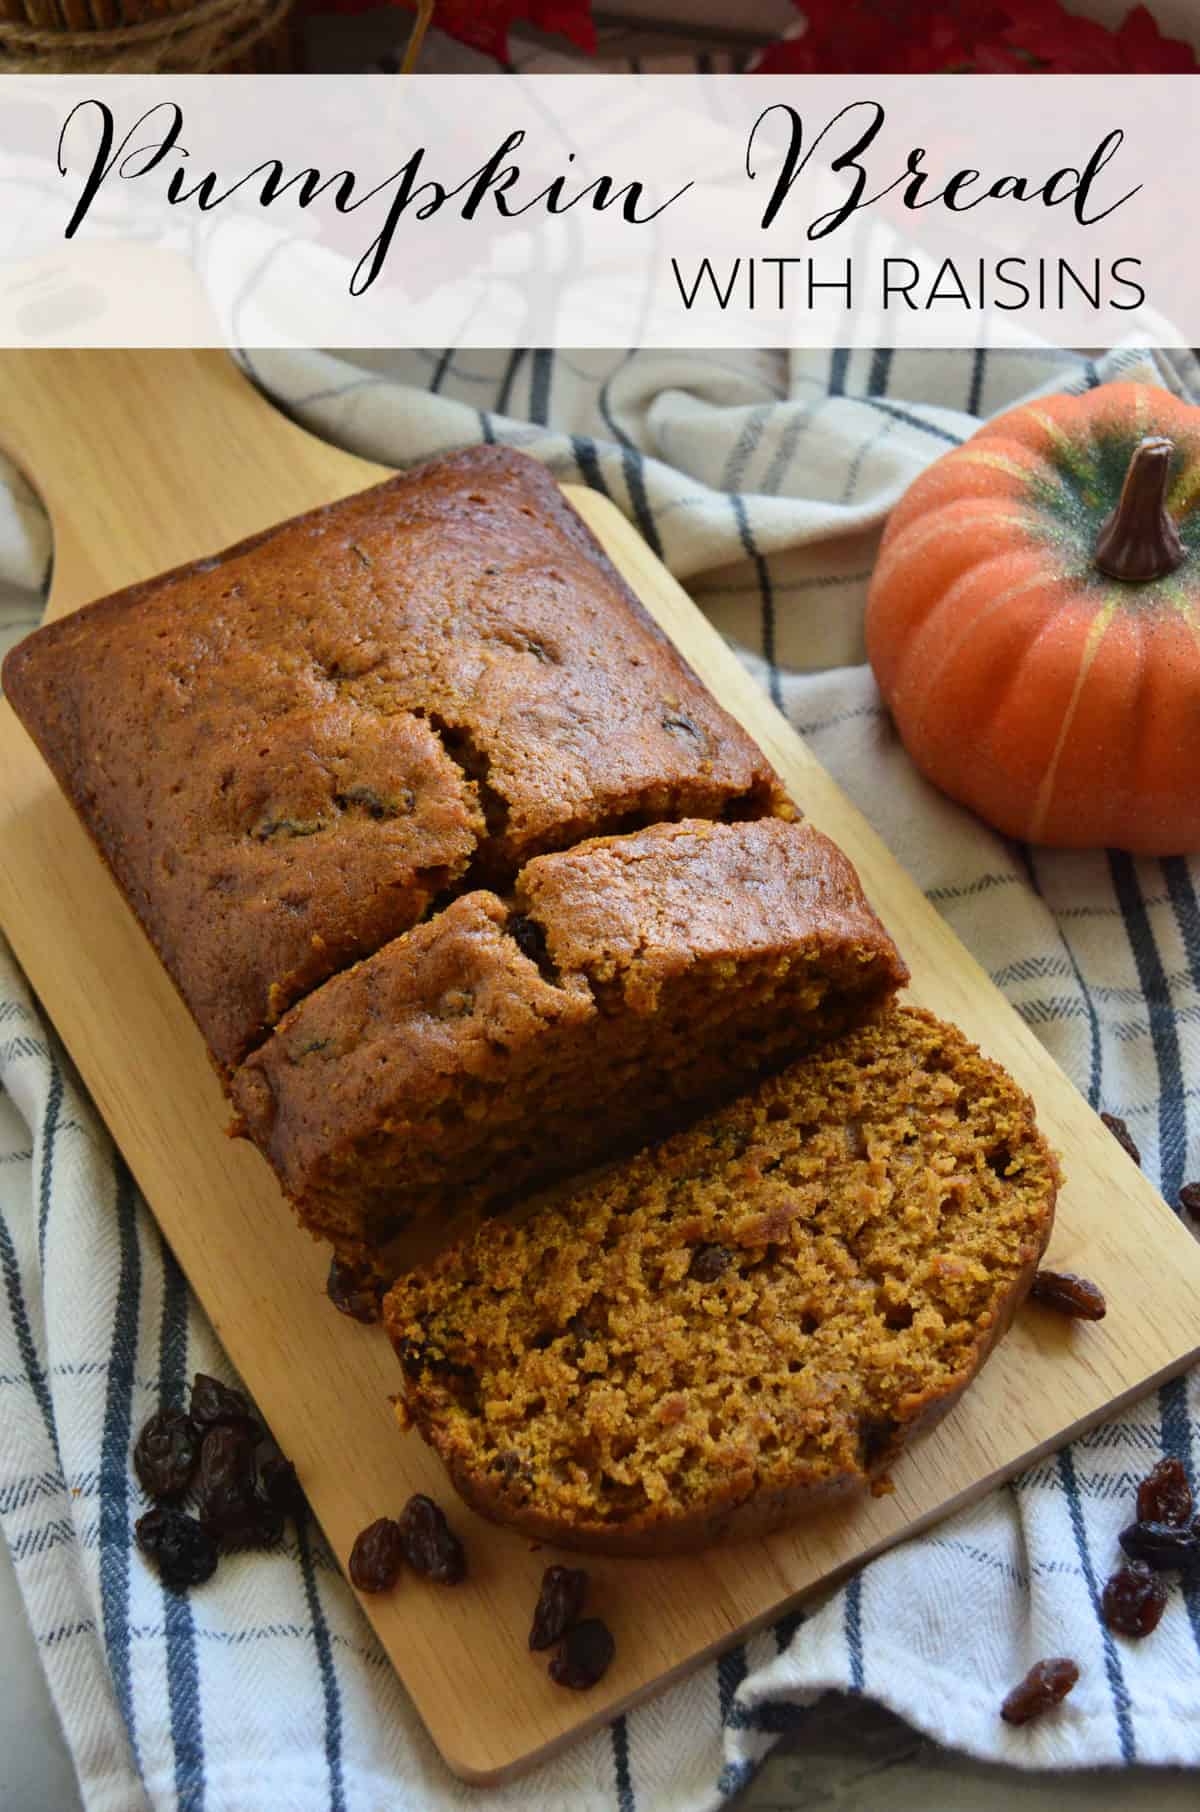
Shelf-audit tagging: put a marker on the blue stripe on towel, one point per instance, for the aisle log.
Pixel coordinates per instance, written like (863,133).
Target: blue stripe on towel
(766,591)
(516,360)
(853,1626)
(978,379)
(115,1479)
(49,1134)
(913,421)
(330,1690)
(1065,1466)
(881,370)
(620,1745)
(1163,1030)
(539,387)
(633,468)
(1173,1397)
(731,1671)
(26,1345)
(786,1628)
(588,462)
(183,1671)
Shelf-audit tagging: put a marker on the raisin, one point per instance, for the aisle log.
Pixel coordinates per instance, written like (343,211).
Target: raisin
(1164,1495)
(374,804)
(166,1454)
(512,1466)
(268,828)
(1121,1134)
(583,1656)
(430,1545)
(259,1525)
(678,724)
(708,1262)
(1163,1546)
(353,1291)
(876,1434)
(283,1490)
(418,1360)
(214,1403)
(1045,1685)
(377,1556)
(226,1488)
(184,1553)
(1134,1600)
(559,1604)
(1070,1294)
(529,938)
(1189,1199)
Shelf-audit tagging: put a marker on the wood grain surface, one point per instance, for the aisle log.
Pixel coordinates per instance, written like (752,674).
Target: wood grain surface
(149,459)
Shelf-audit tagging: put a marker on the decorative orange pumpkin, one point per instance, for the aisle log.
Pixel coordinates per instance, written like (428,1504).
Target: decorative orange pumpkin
(1034,621)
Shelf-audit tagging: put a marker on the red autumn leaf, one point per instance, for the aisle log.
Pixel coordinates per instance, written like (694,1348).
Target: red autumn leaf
(1146,50)
(1008,37)
(484,24)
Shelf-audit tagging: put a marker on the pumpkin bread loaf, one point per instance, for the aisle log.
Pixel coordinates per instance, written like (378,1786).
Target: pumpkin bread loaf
(289,753)
(746,1321)
(503,1042)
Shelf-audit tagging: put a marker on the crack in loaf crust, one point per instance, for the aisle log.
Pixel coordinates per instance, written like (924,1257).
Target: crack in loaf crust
(748,1320)
(289,753)
(503,1043)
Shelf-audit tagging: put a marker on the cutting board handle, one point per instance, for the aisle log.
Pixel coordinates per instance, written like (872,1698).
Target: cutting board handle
(114,440)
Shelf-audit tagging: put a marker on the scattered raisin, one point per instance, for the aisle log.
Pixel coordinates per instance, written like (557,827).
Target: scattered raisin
(1045,1685)
(166,1454)
(283,1490)
(260,1525)
(430,1545)
(377,1556)
(355,1292)
(708,1262)
(1134,1600)
(214,1403)
(184,1553)
(583,1656)
(227,1481)
(1162,1546)
(1164,1495)
(1070,1294)
(559,1604)
(1189,1199)
(1121,1134)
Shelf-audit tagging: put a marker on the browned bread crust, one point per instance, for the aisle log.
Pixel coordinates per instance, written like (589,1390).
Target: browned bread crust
(747,1321)
(499,1044)
(289,752)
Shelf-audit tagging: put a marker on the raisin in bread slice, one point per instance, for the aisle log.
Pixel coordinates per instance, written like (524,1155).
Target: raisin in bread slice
(747,1321)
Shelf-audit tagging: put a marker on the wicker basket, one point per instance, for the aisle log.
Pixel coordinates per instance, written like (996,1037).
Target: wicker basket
(180,37)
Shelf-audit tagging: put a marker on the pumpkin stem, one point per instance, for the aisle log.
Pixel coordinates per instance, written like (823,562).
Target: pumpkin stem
(1140,541)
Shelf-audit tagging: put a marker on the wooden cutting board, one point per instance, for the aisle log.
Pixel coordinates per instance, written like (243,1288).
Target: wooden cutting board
(150,459)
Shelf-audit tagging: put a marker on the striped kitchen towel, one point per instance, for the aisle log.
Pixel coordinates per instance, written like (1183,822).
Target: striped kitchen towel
(762,479)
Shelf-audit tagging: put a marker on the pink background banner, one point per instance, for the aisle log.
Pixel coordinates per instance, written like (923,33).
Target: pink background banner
(606,211)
